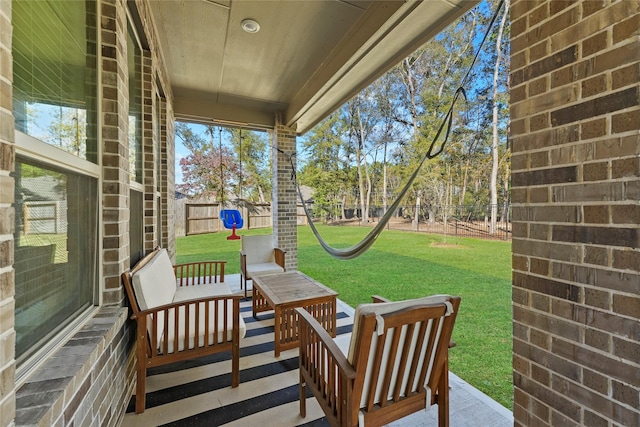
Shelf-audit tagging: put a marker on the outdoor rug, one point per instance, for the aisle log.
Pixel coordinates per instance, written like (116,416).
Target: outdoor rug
(198,392)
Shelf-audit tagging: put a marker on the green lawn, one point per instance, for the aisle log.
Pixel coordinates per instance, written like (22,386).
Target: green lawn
(402,265)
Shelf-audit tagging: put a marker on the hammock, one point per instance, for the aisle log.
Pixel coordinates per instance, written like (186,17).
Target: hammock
(433,151)
(361,247)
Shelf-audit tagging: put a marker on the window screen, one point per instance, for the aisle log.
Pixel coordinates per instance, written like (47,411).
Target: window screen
(55,251)
(54,74)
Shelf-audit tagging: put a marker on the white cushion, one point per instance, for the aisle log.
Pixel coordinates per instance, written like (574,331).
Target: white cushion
(184,293)
(258,249)
(263,268)
(217,335)
(420,353)
(155,284)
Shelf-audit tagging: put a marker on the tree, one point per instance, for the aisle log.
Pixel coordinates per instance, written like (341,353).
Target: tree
(253,182)
(495,122)
(68,131)
(326,167)
(208,170)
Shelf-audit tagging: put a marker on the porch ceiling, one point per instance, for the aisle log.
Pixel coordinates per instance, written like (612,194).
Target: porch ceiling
(308,58)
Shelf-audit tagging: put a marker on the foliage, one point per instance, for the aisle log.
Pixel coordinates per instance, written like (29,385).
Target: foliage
(404,265)
(254,180)
(209,169)
(382,134)
(363,154)
(226,165)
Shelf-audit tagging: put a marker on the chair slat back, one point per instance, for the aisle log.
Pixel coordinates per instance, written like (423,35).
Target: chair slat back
(401,353)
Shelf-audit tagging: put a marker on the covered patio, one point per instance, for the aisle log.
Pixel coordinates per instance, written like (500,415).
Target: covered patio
(123,71)
(198,392)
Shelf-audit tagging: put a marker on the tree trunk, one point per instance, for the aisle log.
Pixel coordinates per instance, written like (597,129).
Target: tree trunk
(463,193)
(385,202)
(505,192)
(495,139)
(416,216)
(365,193)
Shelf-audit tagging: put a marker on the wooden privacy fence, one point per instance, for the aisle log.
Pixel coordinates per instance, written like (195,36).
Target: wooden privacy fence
(204,217)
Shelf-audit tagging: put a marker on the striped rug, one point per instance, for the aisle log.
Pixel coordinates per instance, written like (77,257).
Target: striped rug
(198,392)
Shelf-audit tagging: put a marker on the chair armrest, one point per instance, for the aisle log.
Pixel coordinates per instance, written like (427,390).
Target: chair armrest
(243,263)
(279,256)
(378,298)
(200,272)
(324,369)
(310,326)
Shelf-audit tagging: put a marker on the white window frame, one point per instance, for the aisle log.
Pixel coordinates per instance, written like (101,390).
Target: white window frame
(37,150)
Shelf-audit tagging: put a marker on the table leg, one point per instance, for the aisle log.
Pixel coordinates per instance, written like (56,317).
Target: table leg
(254,301)
(276,332)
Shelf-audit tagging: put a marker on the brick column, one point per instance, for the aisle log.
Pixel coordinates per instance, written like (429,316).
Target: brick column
(115,152)
(7,223)
(575,120)
(285,195)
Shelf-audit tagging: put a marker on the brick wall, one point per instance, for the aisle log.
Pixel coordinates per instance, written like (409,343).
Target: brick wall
(85,382)
(115,152)
(148,155)
(155,80)
(7,164)
(285,192)
(575,120)
(89,380)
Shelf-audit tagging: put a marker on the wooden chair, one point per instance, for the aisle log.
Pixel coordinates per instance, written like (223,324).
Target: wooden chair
(396,362)
(208,316)
(259,256)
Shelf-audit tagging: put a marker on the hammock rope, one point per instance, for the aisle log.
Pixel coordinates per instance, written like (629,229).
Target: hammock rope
(433,151)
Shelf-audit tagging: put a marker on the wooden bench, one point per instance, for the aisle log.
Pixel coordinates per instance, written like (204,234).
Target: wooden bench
(208,315)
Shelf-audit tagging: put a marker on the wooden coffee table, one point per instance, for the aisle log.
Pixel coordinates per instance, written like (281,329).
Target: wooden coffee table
(283,292)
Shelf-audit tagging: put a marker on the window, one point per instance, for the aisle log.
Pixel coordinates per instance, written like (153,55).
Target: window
(54,74)
(136,193)
(134,57)
(56,176)
(55,251)
(158,141)
(136,236)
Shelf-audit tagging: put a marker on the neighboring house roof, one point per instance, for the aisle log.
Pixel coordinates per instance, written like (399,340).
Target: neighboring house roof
(307,193)
(41,188)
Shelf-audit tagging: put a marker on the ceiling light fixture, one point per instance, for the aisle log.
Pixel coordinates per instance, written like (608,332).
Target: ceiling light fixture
(250,25)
